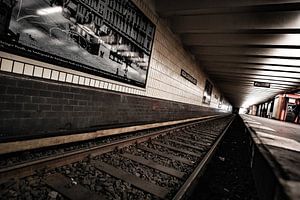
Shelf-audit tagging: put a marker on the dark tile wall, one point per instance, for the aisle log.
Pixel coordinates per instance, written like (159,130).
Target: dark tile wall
(31,106)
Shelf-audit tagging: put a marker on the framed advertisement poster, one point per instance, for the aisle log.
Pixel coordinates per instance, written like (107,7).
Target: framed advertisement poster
(108,38)
(207,92)
(221,101)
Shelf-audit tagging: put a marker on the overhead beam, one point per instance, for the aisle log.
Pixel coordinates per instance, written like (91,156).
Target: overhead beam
(256,94)
(246,51)
(220,81)
(289,47)
(252,78)
(268,73)
(281,80)
(251,60)
(240,39)
(294,71)
(238,9)
(243,87)
(259,97)
(240,21)
(250,90)
(179,7)
(265,92)
(245,31)
(249,87)
(238,42)
(227,82)
(220,65)
(269,77)
(210,63)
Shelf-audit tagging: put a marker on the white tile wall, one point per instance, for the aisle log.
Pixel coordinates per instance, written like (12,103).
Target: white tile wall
(28,70)
(75,79)
(54,75)
(62,76)
(81,80)
(38,71)
(6,65)
(47,73)
(18,67)
(164,80)
(69,78)
(87,81)
(97,83)
(92,83)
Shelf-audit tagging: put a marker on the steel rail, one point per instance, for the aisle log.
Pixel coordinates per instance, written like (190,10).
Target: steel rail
(187,187)
(30,168)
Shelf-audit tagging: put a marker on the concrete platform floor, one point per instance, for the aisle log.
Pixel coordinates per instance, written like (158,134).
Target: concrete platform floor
(282,142)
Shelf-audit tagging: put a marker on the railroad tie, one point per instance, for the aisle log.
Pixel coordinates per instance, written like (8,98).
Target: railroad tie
(162,154)
(144,185)
(202,137)
(72,191)
(177,149)
(154,165)
(194,141)
(186,145)
(207,133)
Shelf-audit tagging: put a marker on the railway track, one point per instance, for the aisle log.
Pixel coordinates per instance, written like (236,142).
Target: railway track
(162,164)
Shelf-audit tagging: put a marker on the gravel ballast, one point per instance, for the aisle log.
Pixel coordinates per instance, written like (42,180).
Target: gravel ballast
(228,175)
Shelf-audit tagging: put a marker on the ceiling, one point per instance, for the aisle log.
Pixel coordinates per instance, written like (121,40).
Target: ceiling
(238,42)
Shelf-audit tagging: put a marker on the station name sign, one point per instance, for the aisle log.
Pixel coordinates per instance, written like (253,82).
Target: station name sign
(188,77)
(262,84)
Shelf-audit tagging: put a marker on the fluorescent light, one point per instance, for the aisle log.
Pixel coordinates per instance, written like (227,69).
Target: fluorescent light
(49,11)
(285,52)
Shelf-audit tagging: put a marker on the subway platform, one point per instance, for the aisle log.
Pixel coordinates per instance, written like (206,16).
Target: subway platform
(275,155)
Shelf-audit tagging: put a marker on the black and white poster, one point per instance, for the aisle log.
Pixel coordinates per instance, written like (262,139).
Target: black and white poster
(221,101)
(109,38)
(207,92)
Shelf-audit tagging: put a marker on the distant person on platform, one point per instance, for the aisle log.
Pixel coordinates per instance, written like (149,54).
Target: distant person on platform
(297,111)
